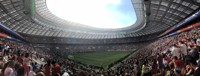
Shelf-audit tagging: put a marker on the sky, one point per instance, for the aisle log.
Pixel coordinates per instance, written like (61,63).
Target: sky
(95,13)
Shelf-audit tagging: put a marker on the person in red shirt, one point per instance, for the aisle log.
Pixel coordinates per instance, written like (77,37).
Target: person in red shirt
(48,68)
(155,68)
(56,68)
(20,59)
(168,59)
(179,66)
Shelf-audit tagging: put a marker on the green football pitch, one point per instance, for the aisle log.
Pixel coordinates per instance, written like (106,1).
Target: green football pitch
(103,58)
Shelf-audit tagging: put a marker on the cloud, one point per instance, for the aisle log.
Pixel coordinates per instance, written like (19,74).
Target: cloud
(96,13)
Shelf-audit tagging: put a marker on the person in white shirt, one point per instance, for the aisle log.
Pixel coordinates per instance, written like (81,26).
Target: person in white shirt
(26,59)
(198,41)
(31,72)
(65,74)
(183,48)
(5,50)
(17,66)
(175,51)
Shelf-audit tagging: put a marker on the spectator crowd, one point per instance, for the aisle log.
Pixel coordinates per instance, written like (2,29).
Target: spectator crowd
(170,56)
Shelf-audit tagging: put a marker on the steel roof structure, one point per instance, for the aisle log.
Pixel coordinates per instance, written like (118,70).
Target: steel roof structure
(153,16)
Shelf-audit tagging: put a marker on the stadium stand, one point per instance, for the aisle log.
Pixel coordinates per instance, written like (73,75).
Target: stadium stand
(158,58)
(164,41)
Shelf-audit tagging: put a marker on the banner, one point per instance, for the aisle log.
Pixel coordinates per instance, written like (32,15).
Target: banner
(8,37)
(194,16)
(184,29)
(15,33)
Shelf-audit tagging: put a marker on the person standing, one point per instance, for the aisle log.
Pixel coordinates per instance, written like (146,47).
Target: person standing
(56,68)
(193,64)
(9,68)
(48,68)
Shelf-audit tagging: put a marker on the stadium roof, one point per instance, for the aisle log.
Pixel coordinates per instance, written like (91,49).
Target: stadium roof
(42,11)
(95,13)
(152,16)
